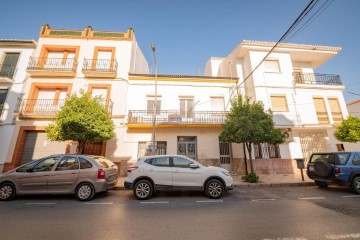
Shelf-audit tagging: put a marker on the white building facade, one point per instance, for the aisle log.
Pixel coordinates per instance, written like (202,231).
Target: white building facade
(14,56)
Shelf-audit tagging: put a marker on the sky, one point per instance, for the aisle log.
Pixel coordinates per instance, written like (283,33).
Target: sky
(188,32)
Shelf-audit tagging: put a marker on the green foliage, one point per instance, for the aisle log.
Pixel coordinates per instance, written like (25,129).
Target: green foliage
(251,178)
(81,119)
(249,123)
(349,130)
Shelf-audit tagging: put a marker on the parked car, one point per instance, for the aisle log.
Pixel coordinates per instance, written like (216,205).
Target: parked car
(60,174)
(163,172)
(342,168)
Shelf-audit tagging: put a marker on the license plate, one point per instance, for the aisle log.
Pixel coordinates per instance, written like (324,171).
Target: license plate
(311,168)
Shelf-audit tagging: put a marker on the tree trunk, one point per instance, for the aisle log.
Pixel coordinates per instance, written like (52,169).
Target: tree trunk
(249,147)
(80,147)
(245,160)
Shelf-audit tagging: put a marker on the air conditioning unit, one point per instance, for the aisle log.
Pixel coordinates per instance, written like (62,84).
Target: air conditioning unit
(288,135)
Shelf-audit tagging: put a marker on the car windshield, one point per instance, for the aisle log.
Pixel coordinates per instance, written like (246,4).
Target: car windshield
(337,158)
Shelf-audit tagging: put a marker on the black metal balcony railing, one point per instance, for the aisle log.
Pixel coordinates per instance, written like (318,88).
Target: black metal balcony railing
(100,65)
(176,117)
(55,64)
(316,78)
(7,71)
(48,106)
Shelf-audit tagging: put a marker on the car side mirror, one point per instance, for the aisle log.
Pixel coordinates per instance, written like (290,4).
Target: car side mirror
(193,165)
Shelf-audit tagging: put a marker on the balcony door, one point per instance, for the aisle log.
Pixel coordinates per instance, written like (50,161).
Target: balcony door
(50,100)
(187,108)
(8,66)
(186,146)
(103,61)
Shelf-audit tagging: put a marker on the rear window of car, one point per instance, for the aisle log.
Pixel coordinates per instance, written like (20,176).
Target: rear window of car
(332,158)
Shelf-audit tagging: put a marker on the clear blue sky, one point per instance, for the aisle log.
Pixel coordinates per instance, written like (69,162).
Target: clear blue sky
(188,32)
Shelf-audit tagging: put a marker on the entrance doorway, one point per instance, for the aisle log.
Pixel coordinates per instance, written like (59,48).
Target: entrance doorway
(186,146)
(225,155)
(312,142)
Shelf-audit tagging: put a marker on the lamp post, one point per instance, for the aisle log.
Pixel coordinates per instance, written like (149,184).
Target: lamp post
(155,103)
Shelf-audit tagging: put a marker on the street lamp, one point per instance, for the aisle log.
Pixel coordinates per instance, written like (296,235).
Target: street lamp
(155,102)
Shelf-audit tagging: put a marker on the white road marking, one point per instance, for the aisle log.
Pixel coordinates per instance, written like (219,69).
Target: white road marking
(99,203)
(288,238)
(311,198)
(350,196)
(154,202)
(344,236)
(40,203)
(210,201)
(264,199)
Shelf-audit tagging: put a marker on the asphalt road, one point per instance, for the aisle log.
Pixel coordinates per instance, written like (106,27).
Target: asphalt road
(286,213)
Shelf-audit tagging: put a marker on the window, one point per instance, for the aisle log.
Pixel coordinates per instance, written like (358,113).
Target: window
(279,104)
(84,164)
(27,167)
(335,110)
(272,66)
(181,162)
(3,94)
(46,165)
(187,108)
(266,151)
(161,162)
(321,112)
(143,151)
(8,66)
(356,160)
(340,147)
(150,105)
(217,103)
(67,163)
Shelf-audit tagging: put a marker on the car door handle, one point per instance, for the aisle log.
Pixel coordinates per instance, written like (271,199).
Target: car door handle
(151,170)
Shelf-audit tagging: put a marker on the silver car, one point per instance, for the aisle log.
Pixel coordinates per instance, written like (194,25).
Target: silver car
(60,174)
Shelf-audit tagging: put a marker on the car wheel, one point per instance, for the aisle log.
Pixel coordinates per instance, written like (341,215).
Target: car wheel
(356,185)
(322,168)
(143,189)
(321,184)
(85,192)
(214,189)
(7,191)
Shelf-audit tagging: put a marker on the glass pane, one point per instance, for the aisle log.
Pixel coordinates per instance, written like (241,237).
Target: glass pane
(181,162)
(161,162)
(67,163)
(191,149)
(182,148)
(84,163)
(45,165)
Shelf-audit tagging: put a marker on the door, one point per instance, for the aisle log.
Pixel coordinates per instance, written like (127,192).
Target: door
(183,175)
(312,142)
(103,61)
(35,181)
(65,176)
(187,147)
(225,155)
(9,65)
(161,172)
(187,109)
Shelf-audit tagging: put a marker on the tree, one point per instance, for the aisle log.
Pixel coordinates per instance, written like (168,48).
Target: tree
(349,130)
(248,123)
(81,119)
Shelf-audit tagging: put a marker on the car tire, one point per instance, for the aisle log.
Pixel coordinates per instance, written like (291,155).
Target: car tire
(85,192)
(214,188)
(322,168)
(143,189)
(356,185)
(7,191)
(321,184)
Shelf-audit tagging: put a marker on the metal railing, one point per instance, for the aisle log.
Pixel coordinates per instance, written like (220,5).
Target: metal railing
(100,65)
(316,78)
(7,71)
(177,117)
(56,64)
(48,106)
(266,151)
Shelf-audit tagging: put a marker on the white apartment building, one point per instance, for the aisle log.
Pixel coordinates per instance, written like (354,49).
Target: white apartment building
(306,105)
(64,62)
(14,56)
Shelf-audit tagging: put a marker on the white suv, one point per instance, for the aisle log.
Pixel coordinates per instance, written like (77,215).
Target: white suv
(166,172)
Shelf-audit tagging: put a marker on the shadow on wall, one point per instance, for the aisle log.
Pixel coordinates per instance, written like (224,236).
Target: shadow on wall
(120,161)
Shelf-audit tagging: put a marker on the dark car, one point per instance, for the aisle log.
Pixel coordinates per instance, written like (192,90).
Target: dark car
(342,168)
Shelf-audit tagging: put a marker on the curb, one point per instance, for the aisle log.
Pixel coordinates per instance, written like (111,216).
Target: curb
(251,185)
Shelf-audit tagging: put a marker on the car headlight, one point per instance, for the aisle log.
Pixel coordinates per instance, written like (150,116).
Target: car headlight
(226,173)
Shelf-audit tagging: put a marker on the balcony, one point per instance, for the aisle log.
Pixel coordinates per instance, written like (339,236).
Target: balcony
(47,108)
(100,68)
(316,78)
(52,67)
(7,73)
(166,118)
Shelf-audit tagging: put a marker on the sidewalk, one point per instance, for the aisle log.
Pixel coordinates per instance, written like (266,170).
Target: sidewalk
(268,180)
